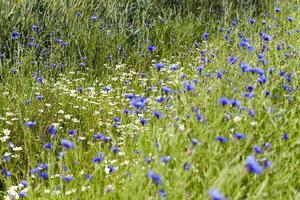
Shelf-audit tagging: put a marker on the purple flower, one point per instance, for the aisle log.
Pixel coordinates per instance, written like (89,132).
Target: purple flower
(194,141)
(67,144)
(156,178)
(67,178)
(285,136)
(139,102)
(72,132)
(188,86)
(162,193)
(99,158)
(253,166)
(5,172)
(215,194)
(48,146)
(257,149)
(165,159)
(205,36)
(266,163)
(232,60)
(222,139)
(151,48)
(15,35)
(43,175)
(166,89)
(30,124)
(239,136)
(22,194)
(186,166)
(144,121)
(157,114)
(114,149)
(290,19)
(52,130)
(159,66)
(224,101)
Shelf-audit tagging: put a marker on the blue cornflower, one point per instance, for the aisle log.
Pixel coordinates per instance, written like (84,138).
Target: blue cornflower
(253,166)
(232,60)
(22,194)
(44,175)
(239,136)
(166,89)
(215,194)
(6,158)
(162,193)
(160,99)
(72,132)
(267,145)
(151,48)
(88,176)
(67,144)
(186,166)
(252,21)
(235,103)
(222,139)
(174,67)
(285,136)
(266,163)
(277,10)
(43,166)
(139,102)
(188,86)
(127,111)
(156,178)
(52,130)
(98,158)
(67,178)
(34,170)
(93,17)
(130,96)
(224,101)
(98,136)
(48,146)
(262,79)
(257,149)
(15,35)
(205,36)
(165,159)
(116,119)
(220,74)
(266,37)
(5,172)
(111,168)
(147,160)
(24,183)
(159,66)
(157,114)
(245,67)
(114,149)
(251,112)
(267,93)
(30,124)
(144,121)
(290,19)
(107,88)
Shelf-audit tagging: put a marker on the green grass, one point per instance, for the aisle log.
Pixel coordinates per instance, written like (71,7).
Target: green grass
(125,35)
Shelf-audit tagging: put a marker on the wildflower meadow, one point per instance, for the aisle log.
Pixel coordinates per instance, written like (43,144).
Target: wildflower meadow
(149,99)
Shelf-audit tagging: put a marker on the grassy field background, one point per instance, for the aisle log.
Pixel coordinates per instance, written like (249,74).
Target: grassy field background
(149,99)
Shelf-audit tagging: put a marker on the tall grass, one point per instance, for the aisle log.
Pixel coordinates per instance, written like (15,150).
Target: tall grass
(67,85)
